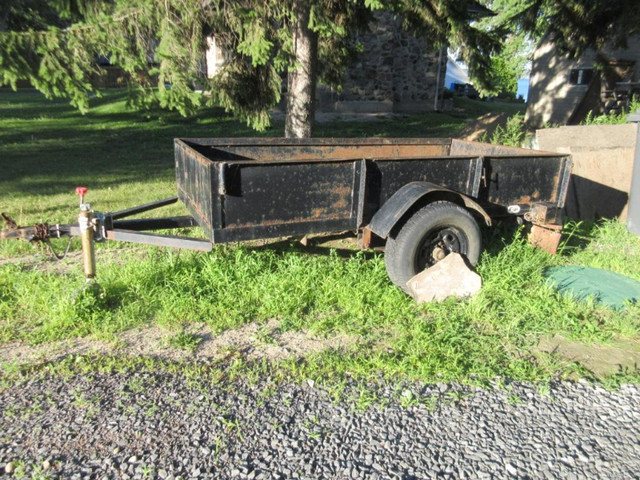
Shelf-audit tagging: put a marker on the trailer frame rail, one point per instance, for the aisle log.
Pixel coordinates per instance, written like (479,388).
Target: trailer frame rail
(114,226)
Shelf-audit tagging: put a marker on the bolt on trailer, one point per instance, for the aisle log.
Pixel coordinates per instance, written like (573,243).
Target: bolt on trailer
(422,198)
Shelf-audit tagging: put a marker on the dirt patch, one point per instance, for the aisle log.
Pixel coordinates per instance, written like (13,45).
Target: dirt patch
(483,126)
(599,359)
(252,340)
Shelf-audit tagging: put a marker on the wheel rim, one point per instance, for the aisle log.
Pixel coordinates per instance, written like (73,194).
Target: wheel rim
(437,244)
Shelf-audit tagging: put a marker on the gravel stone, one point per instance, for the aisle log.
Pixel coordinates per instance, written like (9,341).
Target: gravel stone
(130,424)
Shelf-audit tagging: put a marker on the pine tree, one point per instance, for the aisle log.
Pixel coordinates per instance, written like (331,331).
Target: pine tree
(510,62)
(575,25)
(160,47)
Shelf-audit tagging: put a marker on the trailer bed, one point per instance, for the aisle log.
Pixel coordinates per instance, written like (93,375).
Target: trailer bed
(247,188)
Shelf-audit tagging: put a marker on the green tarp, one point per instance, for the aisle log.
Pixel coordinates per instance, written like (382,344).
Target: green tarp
(608,288)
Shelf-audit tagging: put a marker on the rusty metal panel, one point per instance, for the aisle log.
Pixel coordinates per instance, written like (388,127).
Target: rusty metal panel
(387,176)
(259,231)
(315,150)
(261,195)
(546,237)
(240,189)
(464,147)
(225,142)
(246,188)
(338,152)
(195,184)
(523,180)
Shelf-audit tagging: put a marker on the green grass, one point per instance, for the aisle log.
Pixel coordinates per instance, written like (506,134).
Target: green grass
(185,341)
(126,158)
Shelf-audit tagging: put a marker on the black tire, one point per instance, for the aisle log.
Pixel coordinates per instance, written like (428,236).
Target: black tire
(429,235)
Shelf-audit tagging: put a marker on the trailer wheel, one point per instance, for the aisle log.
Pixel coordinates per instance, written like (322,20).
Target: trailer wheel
(427,237)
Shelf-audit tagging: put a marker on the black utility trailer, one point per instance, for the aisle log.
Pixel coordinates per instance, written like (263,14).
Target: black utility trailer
(424,198)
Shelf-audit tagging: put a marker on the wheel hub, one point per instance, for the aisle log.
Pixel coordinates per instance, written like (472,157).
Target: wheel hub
(437,246)
(438,254)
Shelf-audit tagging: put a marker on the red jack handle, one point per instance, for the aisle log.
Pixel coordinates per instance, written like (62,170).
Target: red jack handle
(82,191)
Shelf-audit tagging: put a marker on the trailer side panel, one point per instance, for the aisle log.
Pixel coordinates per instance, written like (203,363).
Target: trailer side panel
(262,201)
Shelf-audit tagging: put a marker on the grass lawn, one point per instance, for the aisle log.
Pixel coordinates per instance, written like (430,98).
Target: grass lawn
(126,158)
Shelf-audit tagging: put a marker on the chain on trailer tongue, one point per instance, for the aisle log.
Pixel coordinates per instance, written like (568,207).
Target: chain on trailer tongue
(95,227)
(43,232)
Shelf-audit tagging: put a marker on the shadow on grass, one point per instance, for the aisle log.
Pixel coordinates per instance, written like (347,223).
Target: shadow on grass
(319,246)
(495,239)
(95,300)
(47,146)
(577,235)
(502,233)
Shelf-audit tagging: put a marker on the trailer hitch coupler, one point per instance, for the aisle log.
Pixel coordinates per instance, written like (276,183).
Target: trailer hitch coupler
(85,222)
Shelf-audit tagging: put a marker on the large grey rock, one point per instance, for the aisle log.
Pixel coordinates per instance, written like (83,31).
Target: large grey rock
(449,277)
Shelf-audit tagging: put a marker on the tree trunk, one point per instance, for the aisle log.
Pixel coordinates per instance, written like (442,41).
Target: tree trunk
(301,94)
(4,16)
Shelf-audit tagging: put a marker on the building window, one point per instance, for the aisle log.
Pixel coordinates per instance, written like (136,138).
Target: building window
(580,76)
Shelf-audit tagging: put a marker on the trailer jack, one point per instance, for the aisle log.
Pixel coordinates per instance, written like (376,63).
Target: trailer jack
(87,227)
(95,227)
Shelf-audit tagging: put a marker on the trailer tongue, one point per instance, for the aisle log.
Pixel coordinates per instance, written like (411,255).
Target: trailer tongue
(423,197)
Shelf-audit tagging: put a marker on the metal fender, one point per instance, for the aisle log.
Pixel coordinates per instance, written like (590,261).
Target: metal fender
(393,209)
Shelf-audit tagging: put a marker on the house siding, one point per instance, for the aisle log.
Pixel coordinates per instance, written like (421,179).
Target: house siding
(552,98)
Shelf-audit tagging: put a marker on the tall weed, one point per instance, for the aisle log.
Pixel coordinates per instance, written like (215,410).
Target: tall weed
(612,118)
(513,134)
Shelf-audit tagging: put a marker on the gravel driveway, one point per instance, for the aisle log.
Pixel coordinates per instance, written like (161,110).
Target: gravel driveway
(159,425)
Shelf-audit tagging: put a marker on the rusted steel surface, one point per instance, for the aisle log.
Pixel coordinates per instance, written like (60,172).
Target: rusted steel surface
(317,153)
(196,182)
(464,147)
(243,189)
(37,232)
(365,238)
(542,214)
(316,149)
(9,222)
(141,224)
(546,237)
(26,233)
(94,226)
(524,181)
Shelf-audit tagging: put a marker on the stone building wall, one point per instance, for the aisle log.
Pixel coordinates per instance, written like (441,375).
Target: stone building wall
(396,71)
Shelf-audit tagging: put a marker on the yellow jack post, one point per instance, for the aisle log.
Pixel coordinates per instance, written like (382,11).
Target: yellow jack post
(85,222)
